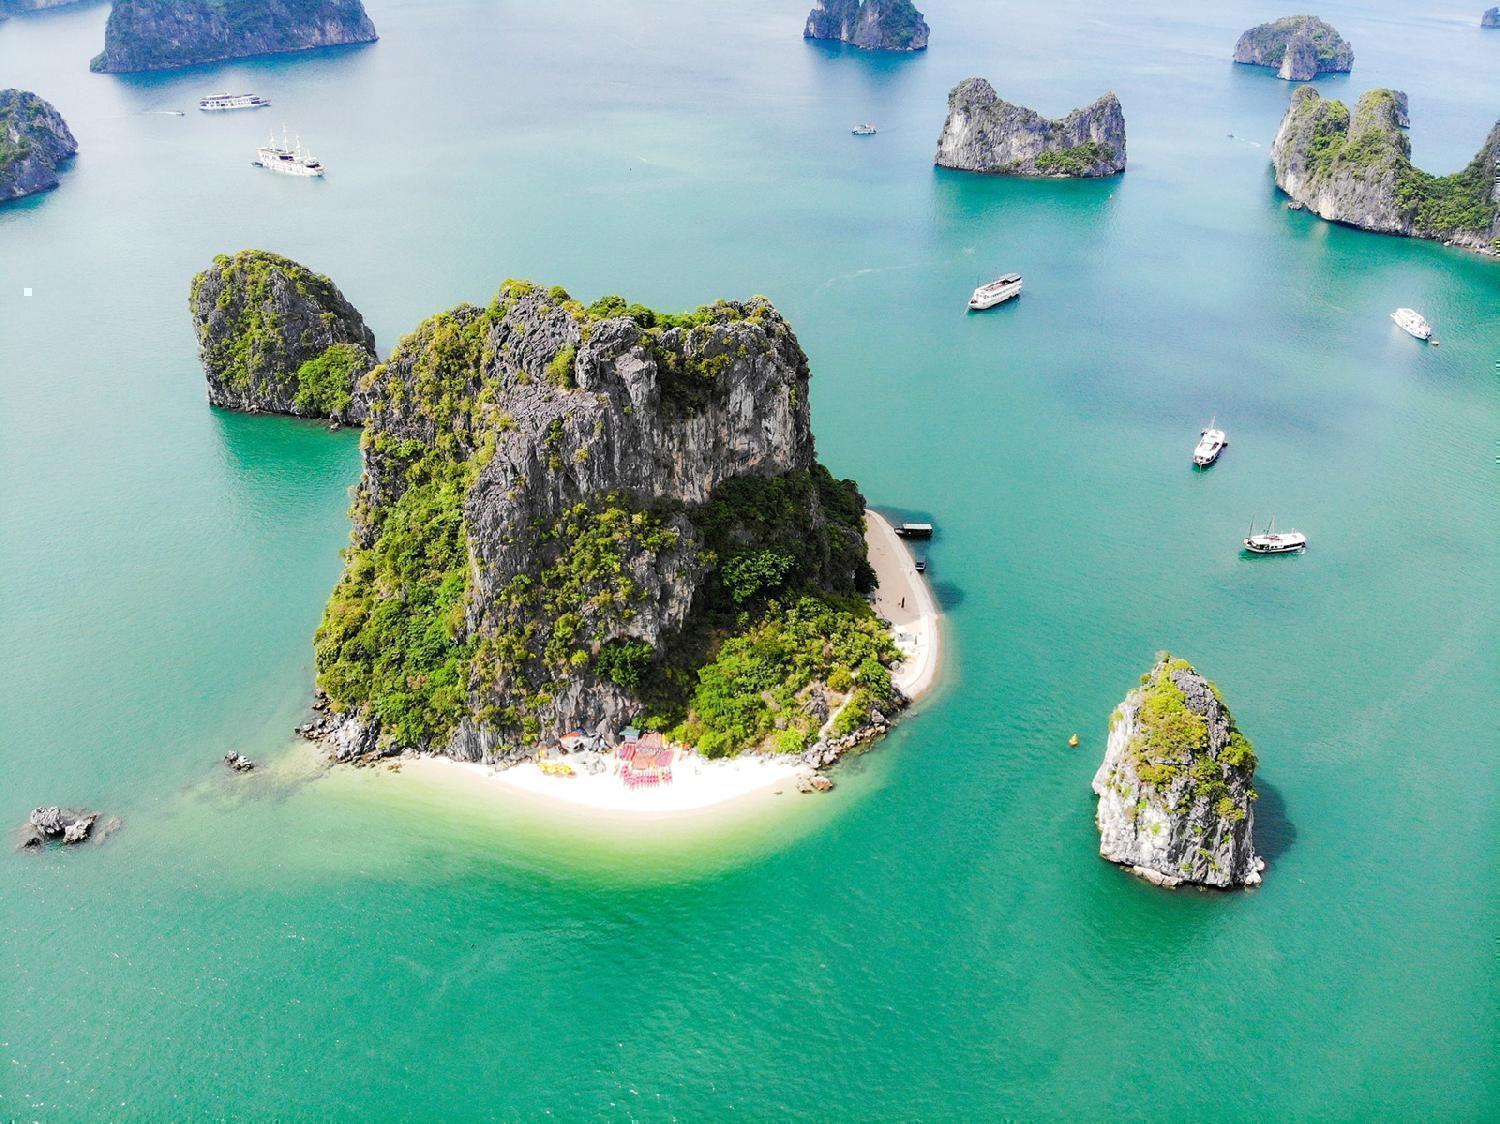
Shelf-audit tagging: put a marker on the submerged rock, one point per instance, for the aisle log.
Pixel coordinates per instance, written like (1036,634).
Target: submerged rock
(165,34)
(1357,170)
(34,140)
(566,514)
(986,134)
(1299,47)
(238,762)
(1175,802)
(872,25)
(275,336)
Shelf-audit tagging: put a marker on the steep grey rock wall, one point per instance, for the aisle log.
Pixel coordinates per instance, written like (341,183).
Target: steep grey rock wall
(872,25)
(1299,47)
(983,133)
(1357,170)
(34,140)
(164,34)
(275,337)
(1175,799)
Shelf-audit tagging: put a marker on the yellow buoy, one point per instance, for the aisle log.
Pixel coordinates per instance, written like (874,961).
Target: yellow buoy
(1073,741)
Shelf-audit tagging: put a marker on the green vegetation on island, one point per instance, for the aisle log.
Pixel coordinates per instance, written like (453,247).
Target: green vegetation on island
(514,570)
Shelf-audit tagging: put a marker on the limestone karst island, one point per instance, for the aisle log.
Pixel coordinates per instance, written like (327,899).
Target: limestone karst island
(827,561)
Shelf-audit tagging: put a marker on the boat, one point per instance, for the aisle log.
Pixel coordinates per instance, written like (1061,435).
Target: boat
(215,103)
(996,292)
(915,530)
(1412,322)
(1272,541)
(287,159)
(921,565)
(1210,444)
(865,130)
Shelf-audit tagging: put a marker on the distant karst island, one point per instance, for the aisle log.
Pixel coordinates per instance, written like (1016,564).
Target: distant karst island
(164,34)
(275,337)
(983,133)
(575,522)
(1299,47)
(1490,18)
(34,141)
(1358,171)
(871,25)
(1175,799)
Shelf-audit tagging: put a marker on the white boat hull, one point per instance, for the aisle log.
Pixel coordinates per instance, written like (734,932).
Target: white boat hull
(982,299)
(1276,544)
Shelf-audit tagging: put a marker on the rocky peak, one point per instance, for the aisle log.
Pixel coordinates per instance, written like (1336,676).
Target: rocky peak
(562,514)
(1299,47)
(1175,798)
(1356,169)
(165,34)
(983,133)
(872,25)
(34,140)
(274,336)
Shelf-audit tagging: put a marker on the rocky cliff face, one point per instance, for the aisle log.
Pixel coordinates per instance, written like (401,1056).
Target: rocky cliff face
(20,7)
(1175,802)
(873,25)
(34,140)
(274,336)
(1299,47)
(163,34)
(985,134)
(1357,170)
(565,514)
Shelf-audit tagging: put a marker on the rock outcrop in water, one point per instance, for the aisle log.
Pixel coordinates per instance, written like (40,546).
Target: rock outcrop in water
(34,140)
(579,518)
(274,336)
(1175,802)
(164,34)
(60,825)
(1490,18)
(985,134)
(1357,170)
(872,25)
(1299,47)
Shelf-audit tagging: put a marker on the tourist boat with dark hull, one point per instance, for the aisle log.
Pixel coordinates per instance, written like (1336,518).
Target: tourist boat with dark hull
(914,531)
(1211,443)
(996,292)
(1272,541)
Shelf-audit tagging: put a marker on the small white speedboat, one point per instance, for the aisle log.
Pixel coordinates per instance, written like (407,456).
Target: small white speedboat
(996,292)
(1412,322)
(1211,443)
(1272,541)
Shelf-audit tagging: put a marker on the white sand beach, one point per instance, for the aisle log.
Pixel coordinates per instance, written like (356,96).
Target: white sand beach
(699,784)
(905,599)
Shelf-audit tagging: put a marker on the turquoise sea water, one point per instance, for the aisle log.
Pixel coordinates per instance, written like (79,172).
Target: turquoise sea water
(938,938)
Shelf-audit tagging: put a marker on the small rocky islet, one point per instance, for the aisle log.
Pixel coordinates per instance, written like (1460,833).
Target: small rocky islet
(276,337)
(1490,19)
(983,133)
(1356,169)
(34,142)
(1176,806)
(143,35)
(1299,48)
(871,25)
(590,517)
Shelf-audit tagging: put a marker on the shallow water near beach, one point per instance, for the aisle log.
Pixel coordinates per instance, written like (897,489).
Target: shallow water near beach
(937,938)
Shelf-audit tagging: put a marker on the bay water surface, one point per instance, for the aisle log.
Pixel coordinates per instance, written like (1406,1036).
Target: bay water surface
(938,937)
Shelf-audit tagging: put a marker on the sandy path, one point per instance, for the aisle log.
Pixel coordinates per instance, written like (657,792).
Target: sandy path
(905,599)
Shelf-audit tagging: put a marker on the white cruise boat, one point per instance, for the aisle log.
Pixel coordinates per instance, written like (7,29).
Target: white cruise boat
(1413,322)
(1272,541)
(1210,444)
(215,103)
(996,292)
(865,130)
(287,159)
